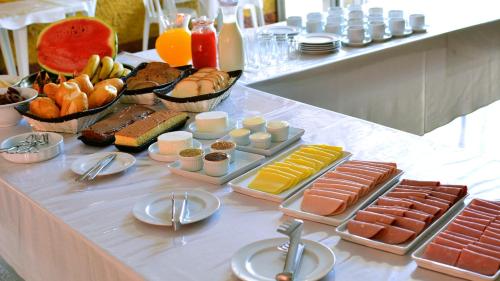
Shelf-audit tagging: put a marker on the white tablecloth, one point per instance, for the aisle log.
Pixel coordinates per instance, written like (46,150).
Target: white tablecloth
(52,229)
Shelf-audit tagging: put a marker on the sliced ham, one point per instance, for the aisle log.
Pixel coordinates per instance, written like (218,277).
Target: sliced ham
(463,188)
(413,188)
(350,193)
(344,197)
(394,235)
(449,243)
(473,219)
(322,205)
(433,210)
(393,166)
(326,186)
(485,204)
(410,224)
(343,176)
(488,246)
(474,214)
(478,262)
(445,196)
(421,216)
(404,194)
(484,250)
(490,240)
(461,235)
(494,224)
(388,211)
(366,174)
(442,206)
(363,229)
(367,216)
(449,190)
(456,238)
(474,225)
(419,183)
(340,181)
(441,253)
(386,201)
(491,234)
(458,228)
(485,210)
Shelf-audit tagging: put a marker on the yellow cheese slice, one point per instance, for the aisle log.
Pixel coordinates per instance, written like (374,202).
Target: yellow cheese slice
(298,161)
(270,182)
(318,165)
(324,160)
(280,172)
(299,174)
(328,147)
(325,153)
(304,169)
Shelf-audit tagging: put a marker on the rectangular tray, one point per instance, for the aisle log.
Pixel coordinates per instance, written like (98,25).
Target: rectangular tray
(241,183)
(292,208)
(294,135)
(243,162)
(400,249)
(448,269)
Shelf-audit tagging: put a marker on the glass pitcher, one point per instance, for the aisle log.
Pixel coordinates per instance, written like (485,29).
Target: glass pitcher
(231,49)
(174,45)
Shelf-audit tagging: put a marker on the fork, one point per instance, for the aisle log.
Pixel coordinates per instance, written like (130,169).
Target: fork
(293,229)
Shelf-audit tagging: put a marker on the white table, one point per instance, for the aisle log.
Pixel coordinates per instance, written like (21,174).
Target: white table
(51,229)
(18,15)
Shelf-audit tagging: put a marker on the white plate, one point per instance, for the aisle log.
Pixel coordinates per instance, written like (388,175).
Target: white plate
(292,208)
(261,261)
(243,162)
(45,152)
(281,30)
(317,38)
(213,135)
(445,268)
(400,249)
(241,184)
(319,52)
(294,135)
(157,208)
(407,32)
(122,162)
(154,152)
(386,37)
(348,43)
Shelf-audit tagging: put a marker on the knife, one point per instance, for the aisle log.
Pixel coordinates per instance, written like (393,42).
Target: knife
(172,218)
(93,168)
(184,208)
(105,163)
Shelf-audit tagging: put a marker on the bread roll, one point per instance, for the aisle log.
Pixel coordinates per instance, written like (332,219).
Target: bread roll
(185,89)
(74,102)
(50,90)
(115,82)
(207,69)
(83,81)
(44,107)
(102,95)
(65,88)
(207,86)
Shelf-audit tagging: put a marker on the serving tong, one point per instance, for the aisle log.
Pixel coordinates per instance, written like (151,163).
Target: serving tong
(295,249)
(28,145)
(177,220)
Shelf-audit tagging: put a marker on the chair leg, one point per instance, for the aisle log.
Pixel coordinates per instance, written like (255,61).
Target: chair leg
(21,44)
(8,55)
(145,34)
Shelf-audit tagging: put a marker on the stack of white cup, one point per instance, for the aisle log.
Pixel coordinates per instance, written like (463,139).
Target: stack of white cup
(314,23)
(376,24)
(335,20)
(397,23)
(295,21)
(417,22)
(355,18)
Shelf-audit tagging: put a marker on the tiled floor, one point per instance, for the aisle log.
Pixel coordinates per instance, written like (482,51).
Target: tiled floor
(7,273)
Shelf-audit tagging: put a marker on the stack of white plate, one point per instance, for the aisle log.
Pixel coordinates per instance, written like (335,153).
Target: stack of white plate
(318,43)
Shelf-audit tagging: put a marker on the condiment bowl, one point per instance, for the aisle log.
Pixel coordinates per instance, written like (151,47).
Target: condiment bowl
(8,114)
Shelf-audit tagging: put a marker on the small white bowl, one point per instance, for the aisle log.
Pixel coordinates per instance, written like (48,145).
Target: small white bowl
(8,114)
(240,136)
(261,140)
(216,168)
(278,129)
(45,152)
(229,151)
(191,163)
(255,124)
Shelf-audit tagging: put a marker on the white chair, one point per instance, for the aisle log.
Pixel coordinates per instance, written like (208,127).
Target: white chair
(256,8)
(154,11)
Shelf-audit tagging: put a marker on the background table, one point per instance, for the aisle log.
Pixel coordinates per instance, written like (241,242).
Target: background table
(53,229)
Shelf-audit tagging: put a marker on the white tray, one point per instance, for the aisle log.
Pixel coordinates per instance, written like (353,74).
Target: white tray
(445,268)
(294,135)
(400,249)
(241,184)
(243,162)
(292,208)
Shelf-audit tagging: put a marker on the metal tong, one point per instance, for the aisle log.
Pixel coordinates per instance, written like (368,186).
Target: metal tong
(93,171)
(293,229)
(177,220)
(30,144)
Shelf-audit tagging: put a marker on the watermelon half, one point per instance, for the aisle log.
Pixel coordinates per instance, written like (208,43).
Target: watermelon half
(64,47)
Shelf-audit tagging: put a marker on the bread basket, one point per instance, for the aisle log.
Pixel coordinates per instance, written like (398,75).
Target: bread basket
(71,123)
(146,96)
(201,103)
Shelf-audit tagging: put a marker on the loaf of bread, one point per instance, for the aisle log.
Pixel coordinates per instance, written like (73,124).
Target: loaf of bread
(83,81)
(204,81)
(115,82)
(102,95)
(44,107)
(74,102)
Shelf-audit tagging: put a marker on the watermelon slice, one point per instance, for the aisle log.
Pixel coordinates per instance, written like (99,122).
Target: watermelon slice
(64,47)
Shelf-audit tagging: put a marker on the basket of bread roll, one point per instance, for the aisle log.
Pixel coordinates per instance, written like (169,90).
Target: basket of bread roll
(69,105)
(147,77)
(201,90)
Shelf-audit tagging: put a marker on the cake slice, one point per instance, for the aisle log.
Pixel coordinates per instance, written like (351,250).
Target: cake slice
(143,131)
(103,132)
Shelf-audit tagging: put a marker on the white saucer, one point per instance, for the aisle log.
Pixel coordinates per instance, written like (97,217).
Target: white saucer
(281,30)
(365,42)
(45,152)
(261,260)
(386,37)
(122,162)
(317,38)
(422,30)
(154,152)
(156,208)
(213,135)
(407,32)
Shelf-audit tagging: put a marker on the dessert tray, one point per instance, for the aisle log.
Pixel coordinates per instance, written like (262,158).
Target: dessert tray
(399,249)
(201,103)
(154,152)
(294,135)
(243,162)
(212,135)
(240,184)
(156,208)
(292,208)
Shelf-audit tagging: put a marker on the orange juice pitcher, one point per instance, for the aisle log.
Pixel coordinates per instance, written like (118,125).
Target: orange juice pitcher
(174,45)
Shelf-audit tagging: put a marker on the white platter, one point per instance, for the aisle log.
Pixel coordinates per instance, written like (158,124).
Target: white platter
(445,268)
(154,152)
(156,208)
(213,135)
(400,249)
(45,152)
(292,208)
(241,184)
(294,135)
(122,162)
(261,261)
(243,162)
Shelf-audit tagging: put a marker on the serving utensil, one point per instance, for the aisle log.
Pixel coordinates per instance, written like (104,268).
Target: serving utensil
(172,218)
(30,144)
(184,208)
(93,171)
(177,220)
(293,229)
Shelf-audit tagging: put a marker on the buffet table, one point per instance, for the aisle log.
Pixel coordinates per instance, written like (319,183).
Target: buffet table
(52,228)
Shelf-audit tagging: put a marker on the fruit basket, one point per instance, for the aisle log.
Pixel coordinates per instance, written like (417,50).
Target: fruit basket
(200,103)
(71,123)
(146,95)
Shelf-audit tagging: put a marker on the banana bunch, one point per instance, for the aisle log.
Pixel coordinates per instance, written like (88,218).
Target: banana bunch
(100,69)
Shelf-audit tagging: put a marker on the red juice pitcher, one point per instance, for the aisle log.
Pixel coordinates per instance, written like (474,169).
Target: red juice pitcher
(203,43)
